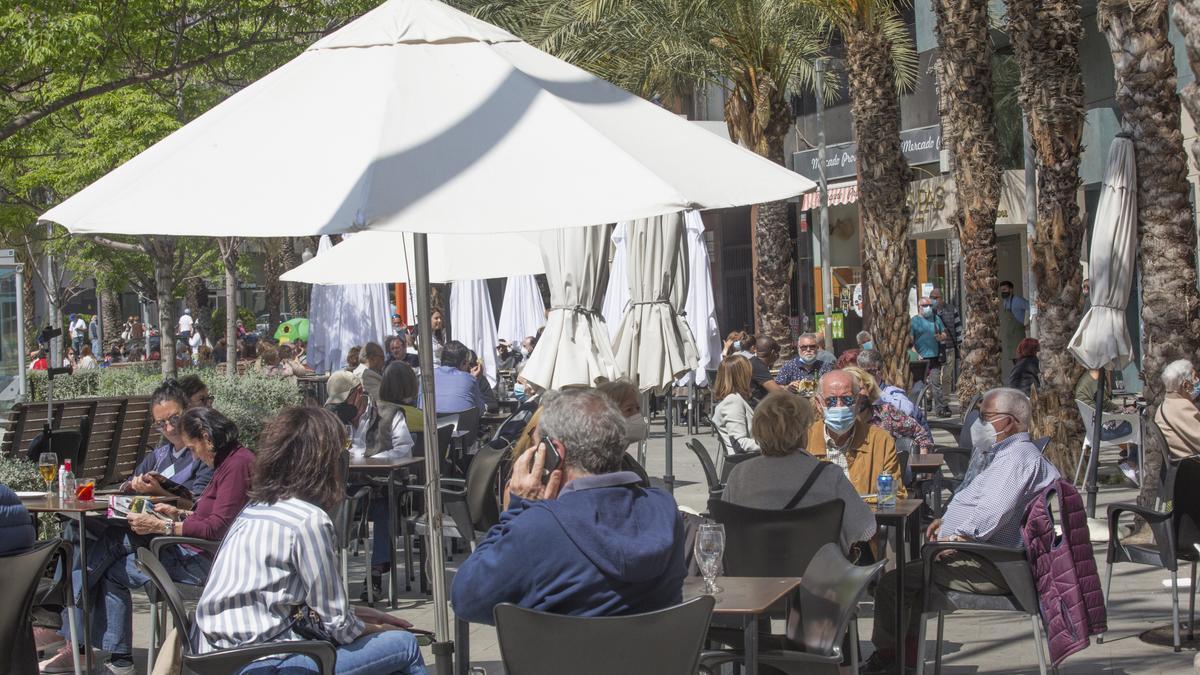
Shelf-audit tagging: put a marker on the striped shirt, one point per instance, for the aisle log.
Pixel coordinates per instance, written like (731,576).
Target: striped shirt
(275,557)
(989,507)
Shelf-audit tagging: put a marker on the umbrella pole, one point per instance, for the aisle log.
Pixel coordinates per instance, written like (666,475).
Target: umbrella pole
(433,492)
(669,478)
(1094,456)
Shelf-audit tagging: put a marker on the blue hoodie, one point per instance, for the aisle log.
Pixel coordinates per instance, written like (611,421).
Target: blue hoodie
(604,547)
(16,528)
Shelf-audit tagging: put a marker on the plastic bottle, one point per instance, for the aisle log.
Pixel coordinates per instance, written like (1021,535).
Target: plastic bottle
(66,483)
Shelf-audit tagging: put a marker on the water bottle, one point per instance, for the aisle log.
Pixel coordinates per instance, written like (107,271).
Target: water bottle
(66,483)
(886,490)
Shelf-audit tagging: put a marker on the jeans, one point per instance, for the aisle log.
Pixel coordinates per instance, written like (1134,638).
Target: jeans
(381,539)
(113,573)
(393,652)
(934,380)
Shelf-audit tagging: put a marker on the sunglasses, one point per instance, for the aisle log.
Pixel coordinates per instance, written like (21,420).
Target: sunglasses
(806,348)
(173,421)
(839,401)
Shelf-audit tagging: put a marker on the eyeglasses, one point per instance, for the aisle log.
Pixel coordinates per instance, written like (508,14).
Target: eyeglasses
(991,415)
(806,348)
(173,421)
(836,401)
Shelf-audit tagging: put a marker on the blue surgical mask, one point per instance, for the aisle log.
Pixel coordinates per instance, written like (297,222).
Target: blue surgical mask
(840,419)
(807,360)
(1196,390)
(519,392)
(927,311)
(737,344)
(869,345)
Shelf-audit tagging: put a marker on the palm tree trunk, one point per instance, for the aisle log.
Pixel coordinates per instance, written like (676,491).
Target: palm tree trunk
(29,293)
(883,177)
(1046,35)
(969,125)
(110,310)
(1144,66)
(297,295)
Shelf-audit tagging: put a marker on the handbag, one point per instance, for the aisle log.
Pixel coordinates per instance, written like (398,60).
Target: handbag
(306,623)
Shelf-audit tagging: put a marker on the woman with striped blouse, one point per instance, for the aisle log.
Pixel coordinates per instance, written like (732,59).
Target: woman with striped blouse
(280,553)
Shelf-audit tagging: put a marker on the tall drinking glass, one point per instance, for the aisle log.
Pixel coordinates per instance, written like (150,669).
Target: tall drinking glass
(48,468)
(710,547)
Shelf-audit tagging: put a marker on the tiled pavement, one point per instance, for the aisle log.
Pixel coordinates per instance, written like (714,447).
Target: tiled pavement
(975,642)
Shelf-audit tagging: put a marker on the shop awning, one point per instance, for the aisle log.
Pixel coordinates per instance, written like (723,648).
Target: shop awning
(839,193)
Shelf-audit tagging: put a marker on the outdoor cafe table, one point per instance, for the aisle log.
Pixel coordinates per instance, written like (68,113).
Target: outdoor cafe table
(78,511)
(391,466)
(743,597)
(904,521)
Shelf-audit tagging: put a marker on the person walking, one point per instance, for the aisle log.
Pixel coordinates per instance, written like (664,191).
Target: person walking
(948,313)
(928,334)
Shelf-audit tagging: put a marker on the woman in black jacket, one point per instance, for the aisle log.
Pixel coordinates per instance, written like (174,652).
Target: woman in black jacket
(1025,375)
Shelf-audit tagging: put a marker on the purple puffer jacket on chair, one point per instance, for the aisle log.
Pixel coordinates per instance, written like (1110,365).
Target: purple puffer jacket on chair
(1064,569)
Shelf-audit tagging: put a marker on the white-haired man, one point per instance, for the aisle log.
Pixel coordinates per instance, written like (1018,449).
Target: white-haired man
(1178,417)
(987,508)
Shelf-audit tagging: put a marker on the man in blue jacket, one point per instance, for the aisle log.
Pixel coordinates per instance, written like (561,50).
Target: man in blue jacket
(587,540)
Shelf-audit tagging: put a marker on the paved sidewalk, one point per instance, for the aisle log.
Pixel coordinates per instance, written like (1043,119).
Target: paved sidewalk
(985,642)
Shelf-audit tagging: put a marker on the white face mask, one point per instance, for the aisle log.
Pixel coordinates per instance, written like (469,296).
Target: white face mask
(636,429)
(983,435)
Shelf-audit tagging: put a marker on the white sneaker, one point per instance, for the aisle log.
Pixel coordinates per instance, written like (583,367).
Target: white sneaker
(113,669)
(61,662)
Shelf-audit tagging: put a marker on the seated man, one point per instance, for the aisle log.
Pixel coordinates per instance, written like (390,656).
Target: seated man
(987,509)
(456,389)
(1177,417)
(843,437)
(872,362)
(801,373)
(589,541)
(766,352)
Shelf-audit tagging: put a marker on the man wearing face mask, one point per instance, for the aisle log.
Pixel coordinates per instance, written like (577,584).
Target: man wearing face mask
(800,375)
(928,333)
(841,436)
(1009,473)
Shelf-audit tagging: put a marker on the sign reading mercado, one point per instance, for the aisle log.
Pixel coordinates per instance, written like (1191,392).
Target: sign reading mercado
(920,146)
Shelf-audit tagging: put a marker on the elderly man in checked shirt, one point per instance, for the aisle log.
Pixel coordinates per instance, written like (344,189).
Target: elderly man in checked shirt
(1007,474)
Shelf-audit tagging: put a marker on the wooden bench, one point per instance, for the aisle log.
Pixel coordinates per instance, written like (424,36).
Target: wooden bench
(115,433)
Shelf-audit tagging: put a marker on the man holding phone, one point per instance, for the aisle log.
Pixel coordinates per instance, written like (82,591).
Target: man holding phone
(580,536)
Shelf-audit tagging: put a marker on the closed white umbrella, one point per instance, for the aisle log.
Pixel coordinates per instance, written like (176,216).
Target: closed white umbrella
(447,113)
(387,257)
(616,296)
(473,323)
(575,348)
(341,317)
(654,344)
(523,310)
(700,308)
(1102,339)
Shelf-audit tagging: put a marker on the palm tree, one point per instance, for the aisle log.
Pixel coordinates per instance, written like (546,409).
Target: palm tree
(1045,36)
(1144,66)
(756,51)
(969,124)
(879,63)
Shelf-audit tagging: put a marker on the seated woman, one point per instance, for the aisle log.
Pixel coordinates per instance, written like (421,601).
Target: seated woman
(396,394)
(346,398)
(888,417)
(1178,417)
(213,438)
(298,476)
(780,478)
(733,417)
(629,401)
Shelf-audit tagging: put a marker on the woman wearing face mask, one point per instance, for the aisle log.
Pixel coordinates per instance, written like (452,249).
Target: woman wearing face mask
(629,401)
(733,417)
(738,342)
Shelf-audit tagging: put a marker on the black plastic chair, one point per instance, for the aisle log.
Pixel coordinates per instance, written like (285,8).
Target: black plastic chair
(664,642)
(775,543)
(1175,531)
(157,611)
(226,660)
(822,614)
(957,428)
(1022,597)
(22,573)
(715,486)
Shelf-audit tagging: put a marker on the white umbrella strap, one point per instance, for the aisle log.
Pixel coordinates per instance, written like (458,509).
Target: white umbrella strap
(575,311)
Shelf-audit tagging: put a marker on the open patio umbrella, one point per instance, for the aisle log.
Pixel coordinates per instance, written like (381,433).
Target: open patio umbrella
(523,310)
(575,348)
(344,316)
(616,296)
(1102,339)
(700,309)
(388,257)
(408,119)
(472,322)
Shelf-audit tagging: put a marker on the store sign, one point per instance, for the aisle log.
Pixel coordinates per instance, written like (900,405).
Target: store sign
(932,204)
(920,146)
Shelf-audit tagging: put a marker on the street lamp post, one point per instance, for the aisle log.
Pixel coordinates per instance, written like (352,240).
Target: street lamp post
(826,264)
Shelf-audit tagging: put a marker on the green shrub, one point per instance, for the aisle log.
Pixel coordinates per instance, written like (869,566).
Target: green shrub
(19,473)
(249,400)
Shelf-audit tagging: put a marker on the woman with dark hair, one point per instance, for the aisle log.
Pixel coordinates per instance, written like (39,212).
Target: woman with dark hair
(281,554)
(396,393)
(1026,373)
(438,322)
(213,439)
